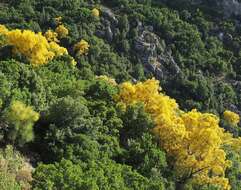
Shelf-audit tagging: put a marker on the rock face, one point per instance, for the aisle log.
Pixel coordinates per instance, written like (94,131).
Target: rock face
(109,24)
(151,50)
(228,7)
(106,12)
(154,55)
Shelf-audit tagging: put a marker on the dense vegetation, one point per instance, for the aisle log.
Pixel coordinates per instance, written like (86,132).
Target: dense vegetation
(80,108)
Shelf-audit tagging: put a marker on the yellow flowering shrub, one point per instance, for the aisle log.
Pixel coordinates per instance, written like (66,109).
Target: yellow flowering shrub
(58,20)
(34,46)
(231,117)
(3,29)
(82,47)
(19,111)
(51,36)
(62,31)
(21,119)
(193,138)
(58,50)
(73,62)
(95,12)
(108,79)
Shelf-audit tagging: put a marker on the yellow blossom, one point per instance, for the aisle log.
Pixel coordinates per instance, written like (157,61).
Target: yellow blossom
(51,36)
(34,46)
(62,31)
(231,117)
(3,32)
(194,139)
(95,12)
(21,112)
(108,79)
(58,50)
(3,29)
(82,47)
(58,20)
(73,62)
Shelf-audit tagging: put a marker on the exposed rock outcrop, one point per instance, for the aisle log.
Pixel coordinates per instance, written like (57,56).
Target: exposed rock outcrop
(152,51)
(154,55)
(109,24)
(108,13)
(228,7)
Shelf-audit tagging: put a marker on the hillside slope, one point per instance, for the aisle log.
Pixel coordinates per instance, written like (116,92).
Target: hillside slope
(124,94)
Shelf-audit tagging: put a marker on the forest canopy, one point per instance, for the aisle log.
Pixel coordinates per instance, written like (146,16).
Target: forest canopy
(124,94)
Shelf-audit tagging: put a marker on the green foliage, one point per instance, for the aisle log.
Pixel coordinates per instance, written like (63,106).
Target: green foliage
(141,149)
(94,175)
(83,139)
(234,172)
